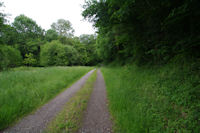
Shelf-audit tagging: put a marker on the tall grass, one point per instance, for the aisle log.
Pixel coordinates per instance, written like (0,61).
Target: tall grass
(24,89)
(162,99)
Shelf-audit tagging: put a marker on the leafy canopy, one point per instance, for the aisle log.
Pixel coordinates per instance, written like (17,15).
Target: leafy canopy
(63,28)
(27,27)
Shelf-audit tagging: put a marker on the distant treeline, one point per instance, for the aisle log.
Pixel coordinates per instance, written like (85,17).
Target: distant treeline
(146,31)
(25,43)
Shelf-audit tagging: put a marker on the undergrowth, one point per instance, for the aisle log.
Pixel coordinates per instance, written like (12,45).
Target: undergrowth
(156,99)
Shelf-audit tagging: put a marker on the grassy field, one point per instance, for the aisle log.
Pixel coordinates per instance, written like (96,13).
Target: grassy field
(24,89)
(154,100)
(69,119)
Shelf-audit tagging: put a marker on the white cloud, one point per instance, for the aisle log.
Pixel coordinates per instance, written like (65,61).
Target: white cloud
(45,12)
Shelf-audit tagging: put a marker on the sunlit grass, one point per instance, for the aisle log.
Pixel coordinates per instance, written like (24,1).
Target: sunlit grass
(24,89)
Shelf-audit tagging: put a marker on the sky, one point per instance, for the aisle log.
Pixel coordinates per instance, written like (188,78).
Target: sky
(45,12)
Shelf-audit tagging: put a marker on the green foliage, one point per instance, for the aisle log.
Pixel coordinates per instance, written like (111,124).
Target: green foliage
(72,54)
(28,33)
(29,38)
(51,35)
(24,89)
(2,16)
(154,99)
(27,27)
(30,60)
(105,49)
(82,53)
(63,28)
(9,57)
(55,53)
(70,51)
(8,35)
(31,46)
(89,41)
(145,31)
(66,40)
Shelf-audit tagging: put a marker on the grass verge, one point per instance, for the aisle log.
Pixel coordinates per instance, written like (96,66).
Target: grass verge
(156,100)
(23,90)
(69,119)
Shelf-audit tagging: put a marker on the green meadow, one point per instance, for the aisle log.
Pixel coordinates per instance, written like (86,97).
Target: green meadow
(24,89)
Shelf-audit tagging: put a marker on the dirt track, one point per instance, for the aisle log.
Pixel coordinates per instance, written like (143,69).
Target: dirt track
(97,118)
(37,122)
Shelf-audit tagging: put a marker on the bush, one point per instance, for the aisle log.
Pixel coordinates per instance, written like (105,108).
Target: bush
(72,54)
(55,53)
(9,57)
(30,60)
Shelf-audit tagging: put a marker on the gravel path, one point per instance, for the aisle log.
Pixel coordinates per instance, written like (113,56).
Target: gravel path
(37,122)
(97,118)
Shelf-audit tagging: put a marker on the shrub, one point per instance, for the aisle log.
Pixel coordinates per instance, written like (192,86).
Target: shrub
(55,53)
(30,60)
(9,57)
(72,54)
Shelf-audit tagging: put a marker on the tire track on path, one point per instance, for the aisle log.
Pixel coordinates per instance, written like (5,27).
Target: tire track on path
(97,118)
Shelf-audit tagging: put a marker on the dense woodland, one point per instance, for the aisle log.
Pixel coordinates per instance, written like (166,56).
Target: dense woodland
(148,31)
(157,41)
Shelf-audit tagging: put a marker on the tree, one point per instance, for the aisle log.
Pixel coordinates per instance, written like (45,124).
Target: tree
(30,60)
(63,28)
(27,27)
(9,57)
(9,35)
(145,31)
(2,16)
(51,35)
(89,42)
(27,30)
(3,26)
(82,54)
(55,53)
(72,55)
(87,39)
(66,40)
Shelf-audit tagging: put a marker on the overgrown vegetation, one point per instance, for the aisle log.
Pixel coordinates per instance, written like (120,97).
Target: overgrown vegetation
(157,99)
(69,119)
(24,89)
(145,31)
